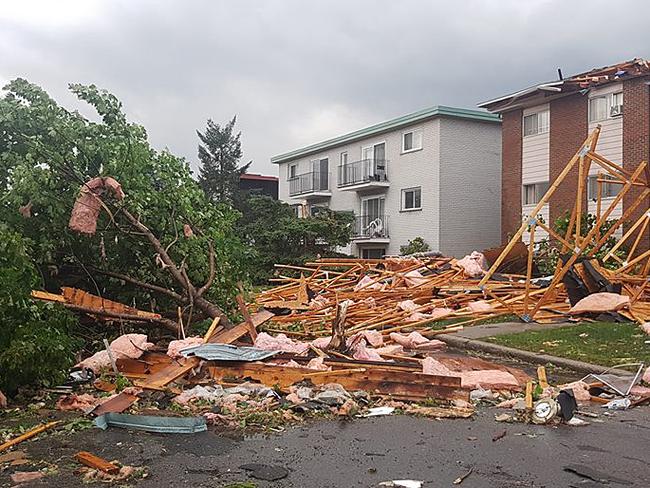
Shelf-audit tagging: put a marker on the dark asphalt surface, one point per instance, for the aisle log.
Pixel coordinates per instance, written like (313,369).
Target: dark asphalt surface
(364,452)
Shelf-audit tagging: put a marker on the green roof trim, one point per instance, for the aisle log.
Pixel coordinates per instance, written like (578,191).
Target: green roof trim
(427,113)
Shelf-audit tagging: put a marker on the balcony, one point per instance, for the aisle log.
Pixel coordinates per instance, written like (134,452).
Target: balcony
(366,174)
(310,185)
(373,228)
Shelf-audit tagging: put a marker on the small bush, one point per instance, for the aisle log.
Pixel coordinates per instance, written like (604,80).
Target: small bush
(36,342)
(547,252)
(414,246)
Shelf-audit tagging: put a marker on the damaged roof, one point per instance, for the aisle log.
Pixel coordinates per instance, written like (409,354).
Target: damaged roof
(595,77)
(404,120)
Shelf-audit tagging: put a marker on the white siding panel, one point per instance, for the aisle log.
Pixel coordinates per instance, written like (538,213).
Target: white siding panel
(535,158)
(540,233)
(535,153)
(610,146)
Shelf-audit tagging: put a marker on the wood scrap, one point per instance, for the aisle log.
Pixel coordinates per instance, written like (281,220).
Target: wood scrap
(92,461)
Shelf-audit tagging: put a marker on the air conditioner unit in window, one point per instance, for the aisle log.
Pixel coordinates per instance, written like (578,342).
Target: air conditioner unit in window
(615,110)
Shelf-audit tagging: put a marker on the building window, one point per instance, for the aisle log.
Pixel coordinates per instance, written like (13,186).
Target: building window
(605,107)
(536,123)
(534,192)
(412,199)
(292,171)
(343,159)
(412,140)
(373,253)
(608,190)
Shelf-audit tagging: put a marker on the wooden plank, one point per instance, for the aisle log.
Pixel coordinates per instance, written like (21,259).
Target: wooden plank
(541,376)
(84,299)
(229,336)
(117,404)
(411,385)
(529,395)
(168,374)
(213,326)
(50,297)
(252,331)
(92,461)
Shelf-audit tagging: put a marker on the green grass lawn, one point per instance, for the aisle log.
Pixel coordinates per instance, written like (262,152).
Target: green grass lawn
(603,343)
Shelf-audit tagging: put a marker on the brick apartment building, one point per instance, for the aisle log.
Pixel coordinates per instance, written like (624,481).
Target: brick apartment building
(544,125)
(257,184)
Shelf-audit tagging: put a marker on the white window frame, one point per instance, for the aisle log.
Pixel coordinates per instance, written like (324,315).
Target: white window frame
(414,148)
(289,168)
(540,189)
(343,155)
(540,127)
(413,189)
(609,103)
(592,185)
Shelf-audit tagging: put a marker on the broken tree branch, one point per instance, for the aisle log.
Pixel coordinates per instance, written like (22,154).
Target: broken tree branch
(212,273)
(159,289)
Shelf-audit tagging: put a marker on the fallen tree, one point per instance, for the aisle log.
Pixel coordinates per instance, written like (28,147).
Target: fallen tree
(154,241)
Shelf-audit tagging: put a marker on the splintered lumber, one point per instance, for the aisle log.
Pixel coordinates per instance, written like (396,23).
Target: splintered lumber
(169,373)
(84,299)
(229,336)
(411,385)
(211,330)
(102,308)
(92,461)
(117,404)
(28,435)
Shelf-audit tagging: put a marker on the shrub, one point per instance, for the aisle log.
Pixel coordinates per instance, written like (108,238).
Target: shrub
(414,246)
(36,342)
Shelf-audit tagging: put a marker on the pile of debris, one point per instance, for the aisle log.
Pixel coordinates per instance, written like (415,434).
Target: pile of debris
(418,293)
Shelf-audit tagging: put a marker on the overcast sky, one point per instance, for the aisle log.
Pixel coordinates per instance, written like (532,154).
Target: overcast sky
(296,72)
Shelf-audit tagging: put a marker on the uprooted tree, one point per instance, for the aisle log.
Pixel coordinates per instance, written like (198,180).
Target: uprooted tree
(160,246)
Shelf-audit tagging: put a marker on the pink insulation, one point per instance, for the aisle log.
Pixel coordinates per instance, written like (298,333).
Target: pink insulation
(126,346)
(366,283)
(175,347)
(601,302)
(580,390)
(83,402)
(486,379)
(361,352)
(645,327)
(408,305)
(414,278)
(480,306)
(435,367)
(408,341)
(474,265)
(85,212)
(280,343)
(321,342)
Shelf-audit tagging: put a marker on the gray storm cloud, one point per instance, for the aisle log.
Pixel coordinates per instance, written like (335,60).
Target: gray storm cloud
(296,72)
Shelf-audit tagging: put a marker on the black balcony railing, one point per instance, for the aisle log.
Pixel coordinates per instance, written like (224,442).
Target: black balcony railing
(363,171)
(309,183)
(370,227)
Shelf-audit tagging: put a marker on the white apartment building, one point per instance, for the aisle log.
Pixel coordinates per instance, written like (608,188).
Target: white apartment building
(435,174)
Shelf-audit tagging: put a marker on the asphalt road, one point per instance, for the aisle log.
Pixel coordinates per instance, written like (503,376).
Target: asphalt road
(364,452)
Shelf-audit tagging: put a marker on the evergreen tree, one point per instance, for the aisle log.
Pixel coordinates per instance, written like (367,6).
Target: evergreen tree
(220,152)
